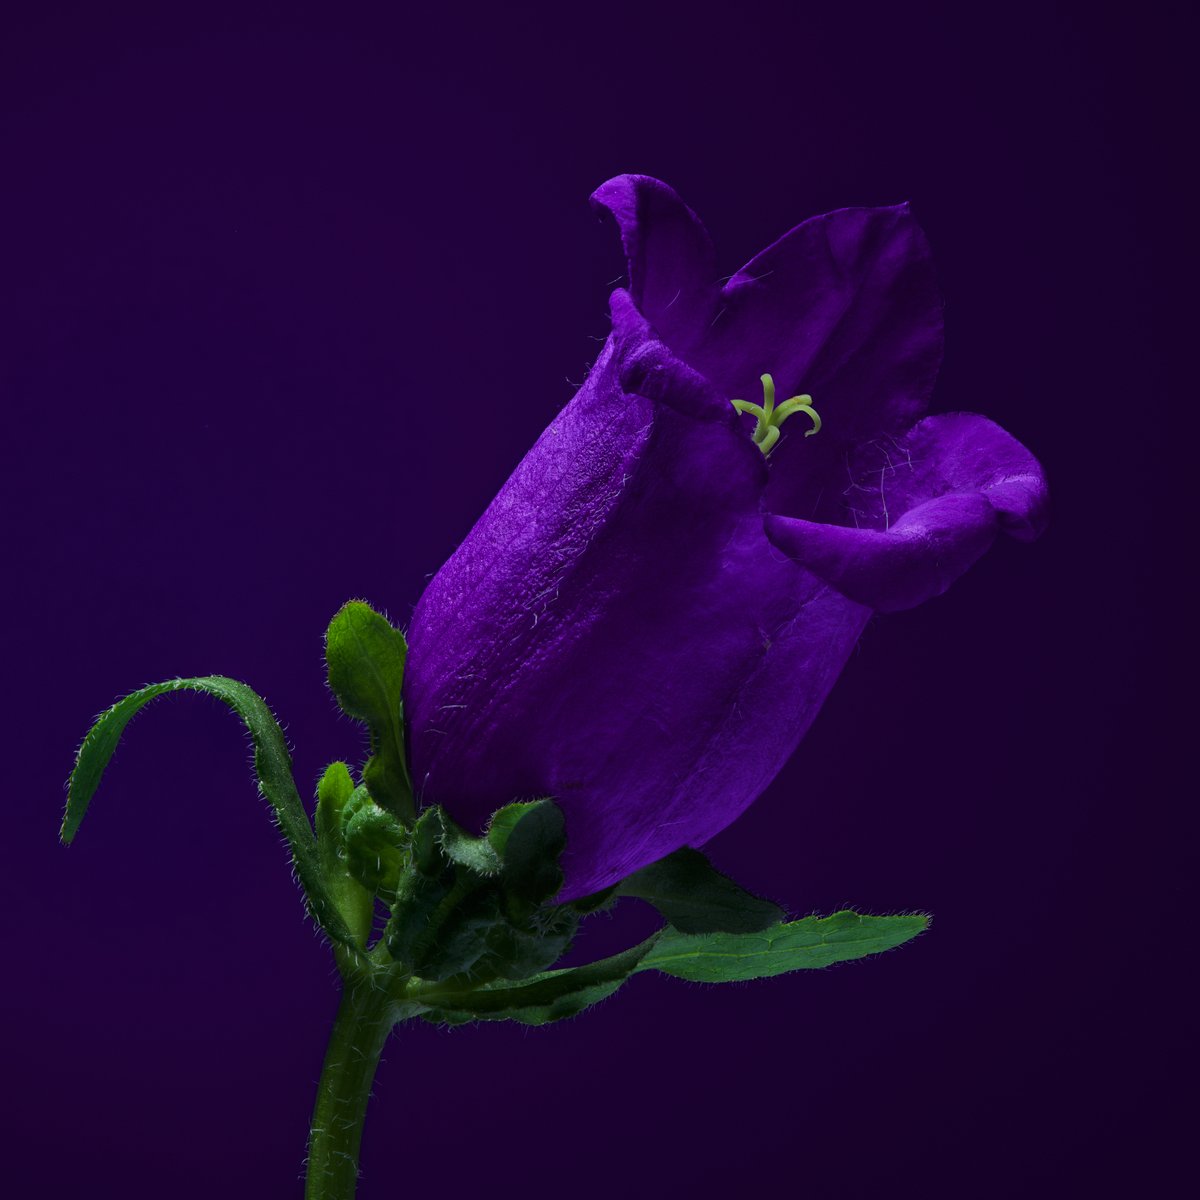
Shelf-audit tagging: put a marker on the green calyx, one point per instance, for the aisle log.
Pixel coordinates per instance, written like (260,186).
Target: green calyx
(771,416)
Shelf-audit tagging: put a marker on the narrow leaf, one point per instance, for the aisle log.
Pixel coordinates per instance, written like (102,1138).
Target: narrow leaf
(697,898)
(334,788)
(272,764)
(354,902)
(541,999)
(796,946)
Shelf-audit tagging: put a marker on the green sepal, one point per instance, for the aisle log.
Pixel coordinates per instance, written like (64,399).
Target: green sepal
(475,905)
(505,820)
(530,837)
(798,945)
(696,898)
(518,950)
(475,854)
(550,996)
(365,656)
(425,843)
(272,765)
(418,898)
(522,844)
(462,940)
(354,901)
(440,927)
(479,937)
(374,842)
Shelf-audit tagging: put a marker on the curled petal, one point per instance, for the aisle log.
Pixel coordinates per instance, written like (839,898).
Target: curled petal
(649,369)
(672,277)
(924,516)
(919,557)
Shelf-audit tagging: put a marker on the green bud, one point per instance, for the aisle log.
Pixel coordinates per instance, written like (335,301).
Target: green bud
(334,793)
(374,842)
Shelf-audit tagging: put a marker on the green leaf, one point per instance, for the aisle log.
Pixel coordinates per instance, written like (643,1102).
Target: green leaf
(334,788)
(696,898)
(796,946)
(548,997)
(354,902)
(272,764)
(365,655)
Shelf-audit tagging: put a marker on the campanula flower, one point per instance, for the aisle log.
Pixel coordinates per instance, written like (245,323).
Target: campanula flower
(647,618)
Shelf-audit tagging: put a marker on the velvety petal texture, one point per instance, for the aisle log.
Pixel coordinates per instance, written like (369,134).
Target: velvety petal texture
(649,615)
(925,507)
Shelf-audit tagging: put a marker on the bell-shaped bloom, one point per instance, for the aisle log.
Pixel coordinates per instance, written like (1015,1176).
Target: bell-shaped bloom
(645,621)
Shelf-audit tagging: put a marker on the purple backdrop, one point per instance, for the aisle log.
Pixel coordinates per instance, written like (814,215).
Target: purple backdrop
(283,303)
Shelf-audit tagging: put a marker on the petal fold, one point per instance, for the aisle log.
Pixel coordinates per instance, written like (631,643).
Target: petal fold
(924,508)
(649,369)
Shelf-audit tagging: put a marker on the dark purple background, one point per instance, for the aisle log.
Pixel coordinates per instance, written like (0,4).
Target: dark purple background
(284,300)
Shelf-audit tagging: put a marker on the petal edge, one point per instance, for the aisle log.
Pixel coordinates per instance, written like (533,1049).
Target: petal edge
(949,486)
(669,255)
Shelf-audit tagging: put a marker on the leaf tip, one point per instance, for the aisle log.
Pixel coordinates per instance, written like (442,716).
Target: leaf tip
(72,817)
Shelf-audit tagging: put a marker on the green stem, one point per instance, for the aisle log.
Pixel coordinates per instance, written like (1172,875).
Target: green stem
(364,1019)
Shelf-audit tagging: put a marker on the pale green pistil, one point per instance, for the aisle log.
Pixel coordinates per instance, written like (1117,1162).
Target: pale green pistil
(770,416)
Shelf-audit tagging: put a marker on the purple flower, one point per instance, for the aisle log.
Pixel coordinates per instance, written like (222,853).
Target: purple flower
(647,618)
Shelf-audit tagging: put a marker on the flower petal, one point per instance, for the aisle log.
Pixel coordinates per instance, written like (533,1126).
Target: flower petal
(925,507)
(672,276)
(617,633)
(845,307)
(650,370)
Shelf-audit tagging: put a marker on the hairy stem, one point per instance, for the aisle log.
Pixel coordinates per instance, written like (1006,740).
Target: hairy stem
(364,1019)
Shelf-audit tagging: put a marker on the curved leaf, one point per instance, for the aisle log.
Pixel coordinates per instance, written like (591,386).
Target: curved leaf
(539,1000)
(272,764)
